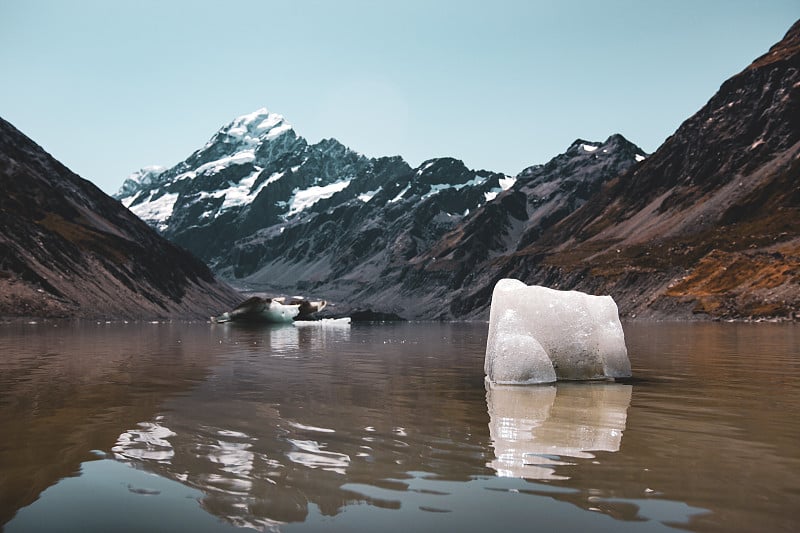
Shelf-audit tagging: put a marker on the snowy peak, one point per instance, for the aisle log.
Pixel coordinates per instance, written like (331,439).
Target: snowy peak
(583,145)
(615,142)
(143,177)
(243,157)
(582,158)
(252,129)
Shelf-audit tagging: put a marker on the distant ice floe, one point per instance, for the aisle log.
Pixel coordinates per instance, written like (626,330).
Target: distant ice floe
(316,429)
(343,322)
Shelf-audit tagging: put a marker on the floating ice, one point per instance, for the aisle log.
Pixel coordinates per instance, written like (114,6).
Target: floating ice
(540,335)
(343,322)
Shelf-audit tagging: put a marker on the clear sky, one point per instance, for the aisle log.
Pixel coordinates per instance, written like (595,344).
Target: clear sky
(108,87)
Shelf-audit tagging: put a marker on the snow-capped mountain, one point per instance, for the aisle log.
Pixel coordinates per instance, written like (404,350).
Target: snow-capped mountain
(255,178)
(269,211)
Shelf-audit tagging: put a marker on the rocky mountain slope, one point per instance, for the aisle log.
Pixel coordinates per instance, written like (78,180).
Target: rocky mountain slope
(69,250)
(272,213)
(707,226)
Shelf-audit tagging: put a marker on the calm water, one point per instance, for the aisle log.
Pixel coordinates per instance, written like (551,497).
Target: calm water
(200,427)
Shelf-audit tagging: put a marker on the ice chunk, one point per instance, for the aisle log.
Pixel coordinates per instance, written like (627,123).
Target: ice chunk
(517,357)
(539,335)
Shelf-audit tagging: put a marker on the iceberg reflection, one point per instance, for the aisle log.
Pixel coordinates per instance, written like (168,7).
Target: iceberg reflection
(534,428)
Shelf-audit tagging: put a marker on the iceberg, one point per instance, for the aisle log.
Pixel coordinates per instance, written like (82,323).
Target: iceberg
(271,310)
(541,335)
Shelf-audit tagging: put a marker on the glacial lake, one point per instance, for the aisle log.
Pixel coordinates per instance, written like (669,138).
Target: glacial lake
(389,427)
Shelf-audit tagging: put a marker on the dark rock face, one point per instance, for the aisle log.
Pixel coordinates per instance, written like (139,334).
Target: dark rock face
(707,226)
(69,250)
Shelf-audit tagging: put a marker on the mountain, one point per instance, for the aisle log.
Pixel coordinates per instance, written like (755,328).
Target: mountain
(69,250)
(707,226)
(270,212)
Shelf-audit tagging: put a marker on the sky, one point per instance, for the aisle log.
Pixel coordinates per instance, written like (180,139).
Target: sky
(108,87)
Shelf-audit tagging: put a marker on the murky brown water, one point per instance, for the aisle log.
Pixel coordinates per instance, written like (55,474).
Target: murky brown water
(179,427)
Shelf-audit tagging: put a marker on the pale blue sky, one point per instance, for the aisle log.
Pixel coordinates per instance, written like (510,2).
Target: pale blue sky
(109,87)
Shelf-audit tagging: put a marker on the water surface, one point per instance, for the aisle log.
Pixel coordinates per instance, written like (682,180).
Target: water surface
(174,427)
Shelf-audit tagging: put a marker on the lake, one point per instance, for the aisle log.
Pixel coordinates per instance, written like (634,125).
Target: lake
(389,427)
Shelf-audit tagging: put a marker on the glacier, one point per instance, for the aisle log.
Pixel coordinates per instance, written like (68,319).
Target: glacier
(541,335)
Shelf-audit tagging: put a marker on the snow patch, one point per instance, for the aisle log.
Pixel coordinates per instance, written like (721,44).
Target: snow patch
(439,187)
(400,195)
(588,147)
(278,131)
(425,167)
(273,178)
(239,158)
(491,195)
(474,182)
(367,196)
(270,122)
(158,210)
(303,199)
(639,158)
(507,182)
(130,199)
(436,189)
(240,194)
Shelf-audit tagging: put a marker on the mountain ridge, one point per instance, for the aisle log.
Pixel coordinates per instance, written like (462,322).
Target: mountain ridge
(354,235)
(706,227)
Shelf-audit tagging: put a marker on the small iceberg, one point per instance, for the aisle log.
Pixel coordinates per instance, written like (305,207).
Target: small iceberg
(541,335)
(343,322)
(271,310)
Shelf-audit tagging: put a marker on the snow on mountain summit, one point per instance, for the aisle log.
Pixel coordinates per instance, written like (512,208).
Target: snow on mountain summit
(228,171)
(252,128)
(143,177)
